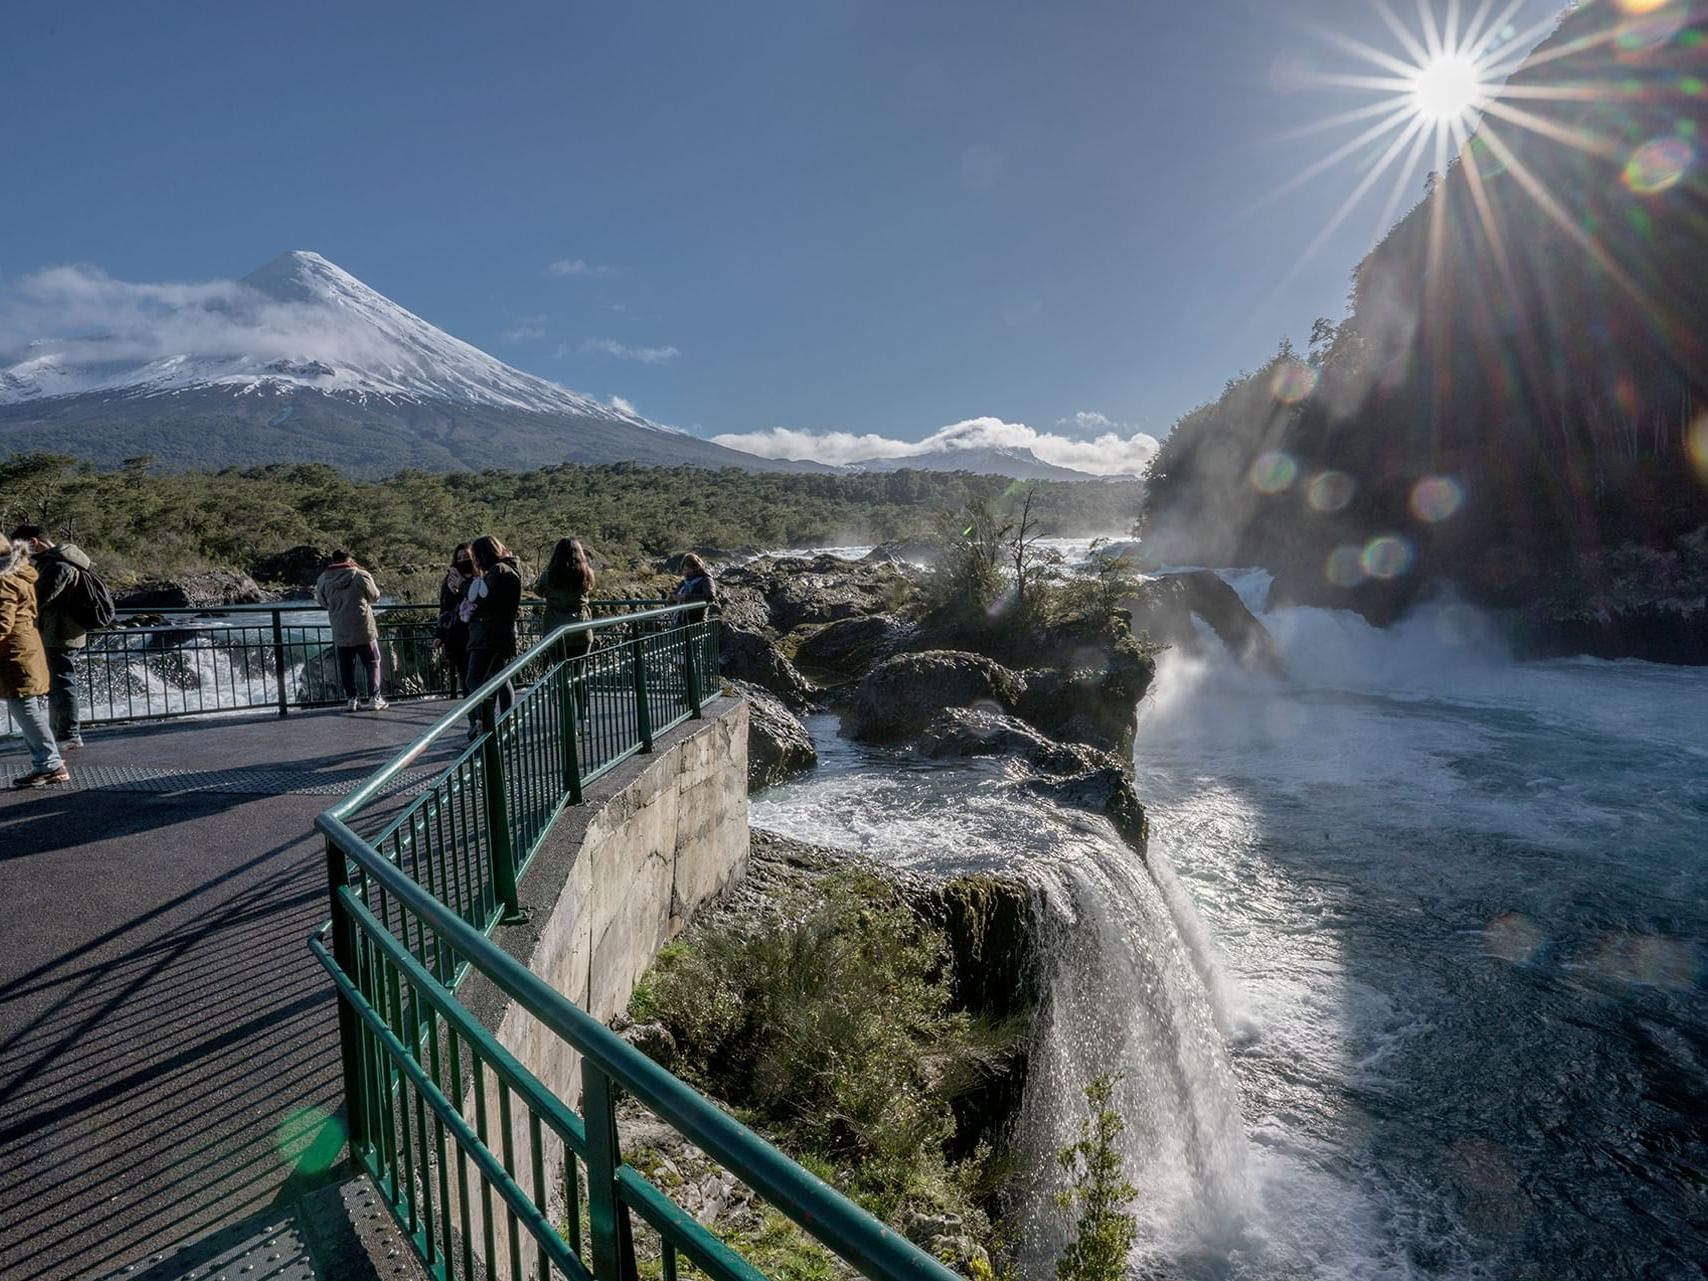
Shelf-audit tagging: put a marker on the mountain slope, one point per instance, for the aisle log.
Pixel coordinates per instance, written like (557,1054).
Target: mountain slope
(1014,462)
(302,362)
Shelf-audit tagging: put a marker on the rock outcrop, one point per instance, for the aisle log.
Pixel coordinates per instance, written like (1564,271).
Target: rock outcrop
(1067,773)
(1093,697)
(1625,602)
(206,589)
(851,647)
(902,695)
(800,590)
(753,657)
(1164,607)
(778,745)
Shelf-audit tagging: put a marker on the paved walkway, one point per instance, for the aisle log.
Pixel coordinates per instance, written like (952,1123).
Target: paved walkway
(168,1047)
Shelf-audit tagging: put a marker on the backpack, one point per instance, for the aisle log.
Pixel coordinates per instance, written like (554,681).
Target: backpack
(87,601)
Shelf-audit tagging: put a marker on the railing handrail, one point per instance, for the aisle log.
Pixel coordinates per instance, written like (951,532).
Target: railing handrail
(862,1240)
(856,1236)
(458,715)
(309,606)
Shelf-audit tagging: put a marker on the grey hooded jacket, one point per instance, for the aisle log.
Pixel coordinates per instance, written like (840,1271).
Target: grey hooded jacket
(57,570)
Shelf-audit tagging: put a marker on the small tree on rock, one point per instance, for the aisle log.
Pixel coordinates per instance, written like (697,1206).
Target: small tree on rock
(1099,1194)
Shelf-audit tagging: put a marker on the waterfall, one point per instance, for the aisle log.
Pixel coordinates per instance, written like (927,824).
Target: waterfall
(1125,994)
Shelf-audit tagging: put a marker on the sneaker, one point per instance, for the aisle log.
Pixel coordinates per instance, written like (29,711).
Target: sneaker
(43,778)
(378,703)
(349,704)
(72,745)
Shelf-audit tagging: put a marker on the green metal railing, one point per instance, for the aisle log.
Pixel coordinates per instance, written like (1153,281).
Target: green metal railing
(257,658)
(488,1171)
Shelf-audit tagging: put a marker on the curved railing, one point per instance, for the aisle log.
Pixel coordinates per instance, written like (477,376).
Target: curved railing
(162,663)
(487,1170)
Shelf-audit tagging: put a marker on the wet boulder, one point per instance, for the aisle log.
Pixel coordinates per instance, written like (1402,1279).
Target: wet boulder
(1072,774)
(901,696)
(754,657)
(853,646)
(1091,696)
(800,590)
(1165,607)
(778,745)
(296,566)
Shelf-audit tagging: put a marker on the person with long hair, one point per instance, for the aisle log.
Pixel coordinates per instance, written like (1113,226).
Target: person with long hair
(566,583)
(696,586)
(490,608)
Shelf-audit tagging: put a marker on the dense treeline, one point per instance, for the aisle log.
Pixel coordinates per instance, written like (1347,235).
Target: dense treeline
(1515,399)
(140,523)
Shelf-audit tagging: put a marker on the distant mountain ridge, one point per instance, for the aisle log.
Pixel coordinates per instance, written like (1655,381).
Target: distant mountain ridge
(302,362)
(1013,461)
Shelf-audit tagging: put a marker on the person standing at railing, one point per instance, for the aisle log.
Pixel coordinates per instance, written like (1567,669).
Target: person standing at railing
(450,632)
(23,667)
(347,593)
(494,600)
(566,583)
(68,596)
(696,587)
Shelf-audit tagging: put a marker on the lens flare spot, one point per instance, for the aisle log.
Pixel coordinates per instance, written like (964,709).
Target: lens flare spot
(1345,566)
(1513,937)
(1647,958)
(1435,498)
(1386,556)
(1696,445)
(1644,33)
(1329,491)
(1643,6)
(310,1140)
(1658,165)
(1292,381)
(1273,471)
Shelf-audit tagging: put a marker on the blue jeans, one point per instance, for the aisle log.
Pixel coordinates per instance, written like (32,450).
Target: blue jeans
(30,715)
(62,695)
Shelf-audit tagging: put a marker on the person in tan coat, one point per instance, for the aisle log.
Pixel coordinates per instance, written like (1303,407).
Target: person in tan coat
(347,593)
(23,667)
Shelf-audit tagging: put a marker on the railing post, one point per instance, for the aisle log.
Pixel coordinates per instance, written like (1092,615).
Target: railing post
(643,712)
(690,680)
(607,1217)
(279,664)
(566,718)
(499,848)
(349,1024)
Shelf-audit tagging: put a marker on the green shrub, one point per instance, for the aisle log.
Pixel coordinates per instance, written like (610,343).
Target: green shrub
(1099,1194)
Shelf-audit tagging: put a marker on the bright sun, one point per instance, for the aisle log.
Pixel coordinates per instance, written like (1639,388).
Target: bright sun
(1448,88)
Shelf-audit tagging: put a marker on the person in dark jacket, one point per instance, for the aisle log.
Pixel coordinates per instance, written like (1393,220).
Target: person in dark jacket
(565,583)
(696,586)
(347,593)
(490,608)
(57,566)
(450,632)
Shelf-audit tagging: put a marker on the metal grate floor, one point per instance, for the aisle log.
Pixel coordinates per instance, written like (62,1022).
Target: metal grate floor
(260,780)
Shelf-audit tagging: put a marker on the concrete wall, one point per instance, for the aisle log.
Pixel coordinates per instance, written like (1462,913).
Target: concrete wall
(616,879)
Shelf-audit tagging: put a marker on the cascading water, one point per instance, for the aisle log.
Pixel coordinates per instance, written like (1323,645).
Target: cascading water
(1452,1022)
(1125,992)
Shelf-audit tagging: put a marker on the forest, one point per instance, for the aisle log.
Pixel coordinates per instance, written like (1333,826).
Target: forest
(1516,398)
(143,524)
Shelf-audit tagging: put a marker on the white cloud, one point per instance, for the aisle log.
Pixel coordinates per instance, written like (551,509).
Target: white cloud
(1113,452)
(577,267)
(622,351)
(623,406)
(80,313)
(527,329)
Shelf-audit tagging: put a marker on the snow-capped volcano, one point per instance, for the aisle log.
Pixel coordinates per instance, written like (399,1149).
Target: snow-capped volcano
(301,361)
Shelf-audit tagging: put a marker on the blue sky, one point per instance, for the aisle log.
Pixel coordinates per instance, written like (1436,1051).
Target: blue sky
(823,215)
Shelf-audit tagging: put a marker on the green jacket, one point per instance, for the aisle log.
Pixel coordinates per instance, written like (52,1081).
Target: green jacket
(563,605)
(56,570)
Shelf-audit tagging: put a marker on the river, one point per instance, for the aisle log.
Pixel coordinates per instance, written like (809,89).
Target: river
(1413,986)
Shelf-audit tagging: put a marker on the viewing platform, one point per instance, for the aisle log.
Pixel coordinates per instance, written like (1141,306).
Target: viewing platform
(205,1076)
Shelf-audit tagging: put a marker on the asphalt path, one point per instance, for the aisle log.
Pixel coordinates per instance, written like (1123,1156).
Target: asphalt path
(168,1047)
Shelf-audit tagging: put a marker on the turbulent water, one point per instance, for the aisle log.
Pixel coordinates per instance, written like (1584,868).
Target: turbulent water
(1413,985)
